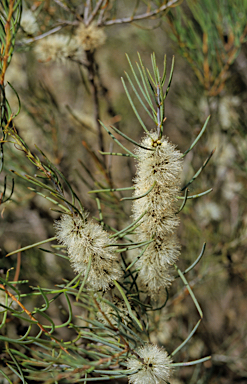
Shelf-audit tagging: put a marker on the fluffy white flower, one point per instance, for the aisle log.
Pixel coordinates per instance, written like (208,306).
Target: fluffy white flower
(87,241)
(90,37)
(56,48)
(154,366)
(155,265)
(28,22)
(158,170)
(161,163)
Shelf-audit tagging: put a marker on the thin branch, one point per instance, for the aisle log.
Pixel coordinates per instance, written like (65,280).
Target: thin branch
(32,318)
(62,5)
(92,75)
(101,14)
(18,267)
(8,41)
(94,13)
(143,15)
(50,32)
(87,10)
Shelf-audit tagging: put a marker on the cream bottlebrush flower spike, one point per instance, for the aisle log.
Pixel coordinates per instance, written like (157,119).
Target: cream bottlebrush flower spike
(161,168)
(154,366)
(87,242)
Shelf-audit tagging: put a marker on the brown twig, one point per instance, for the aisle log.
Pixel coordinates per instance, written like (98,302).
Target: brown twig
(102,12)
(206,69)
(62,5)
(18,267)
(85,367)
(101,360)
(94,13)
(39,37)
(143,16)
(7,28)
(31,317)
(87,10)
(115,329)
(92,78)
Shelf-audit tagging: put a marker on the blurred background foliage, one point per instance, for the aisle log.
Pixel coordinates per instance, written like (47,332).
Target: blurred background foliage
(208,40)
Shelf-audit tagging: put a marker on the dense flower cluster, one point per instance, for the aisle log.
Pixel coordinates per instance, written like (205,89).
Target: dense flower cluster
(56,48)
(154,366)
(90,37)
(158,170)
(87,242)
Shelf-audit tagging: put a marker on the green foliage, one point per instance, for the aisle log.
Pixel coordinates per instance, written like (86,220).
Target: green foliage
(10,14)
(210,38)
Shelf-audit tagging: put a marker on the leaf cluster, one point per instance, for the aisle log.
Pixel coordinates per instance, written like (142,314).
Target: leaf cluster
(209,36)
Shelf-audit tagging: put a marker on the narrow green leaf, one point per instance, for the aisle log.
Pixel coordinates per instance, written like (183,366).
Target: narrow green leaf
(197,260)
(50,199)
(133,246)
(170,77)
(151,78)
(198,137)
(188,363)
(6,377)
(115,154)
(118,142)
(85,278)
(145,81)
(133,107)
(131,140)
(184,200)
(195,196)
(199,170)
(147,98)
(140,196)
(187,338)
(190,291)
(19,101)
(128,304)
(137,258)
(70,313)
(126,229)
(31,246)
(111,190)
(164,73)
(138,97)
